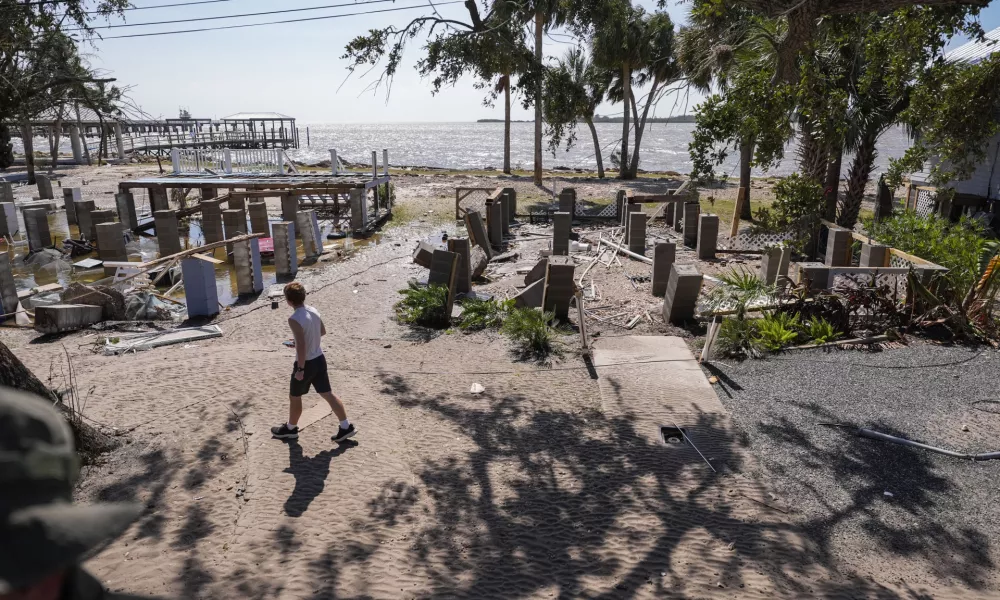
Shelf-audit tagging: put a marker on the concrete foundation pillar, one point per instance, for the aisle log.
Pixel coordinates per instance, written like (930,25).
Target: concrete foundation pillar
(83,221)
(289,207)
(511,195)
(208,193)
(111,244)
(637,232)
(691,212)
(444,271)
(668,213)
(559,286)
(235,223)
(838,247)
(786,258)
(816,275)
(562,223)
(44,187)
(168,236)
(664,254)
(97,217)
(76,144)
(305,225)
(70,196)
(249,276)
(505,214)
(211,221)
(477,232)
(494,224)
(874,255)
(258,218)
(125,202)
(36,224)
(681,296)
(8,219)
(119,141)
(286,262)
(158,200)
(359,210)
(8,290)
(237,201)
(461,247)
(57,318)
(6,191)
(567,201)
(620,206)
(200,292)
(708,236)
(769,263)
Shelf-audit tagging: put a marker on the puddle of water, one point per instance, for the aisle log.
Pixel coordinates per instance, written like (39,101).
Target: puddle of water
(145,248)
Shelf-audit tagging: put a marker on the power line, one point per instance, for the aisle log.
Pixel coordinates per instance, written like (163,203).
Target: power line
(254,14)
(302,20)
(99,12)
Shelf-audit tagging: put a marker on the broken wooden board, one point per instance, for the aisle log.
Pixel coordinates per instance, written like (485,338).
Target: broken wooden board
(42,289)
(208,259)
(314,414)
(156,339)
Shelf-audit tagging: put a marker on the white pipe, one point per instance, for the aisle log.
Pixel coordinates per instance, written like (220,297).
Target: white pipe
(644,259)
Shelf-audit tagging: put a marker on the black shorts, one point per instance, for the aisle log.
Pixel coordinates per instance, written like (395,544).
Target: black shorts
(315,375)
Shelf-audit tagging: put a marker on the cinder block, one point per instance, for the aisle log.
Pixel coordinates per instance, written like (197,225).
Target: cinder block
(286,262)
(211,221)
(668,213)
(235,222)
(708,236)
(690,225)
(531,295)
(208,193)
(562,223)
(786,258)
(359,210)
(838,247)
(158,199)
(504,214)
(167,235)
(8,289)
(6,191)
(57,318)
(289,207)
(423,254)
(111,244)
(537,272)
(70,196)
(477,262)
(567,201)
(125,203)
(874,255)
(83,222)
(258,218)
(664,254)
(444,271)
(511,195)
(462,248)
(237,201)
(8,219)
(44,187)
(200,292)
(36,224)
(306,226)
(559,286)
(681,297)
(769,263)
(637,232)
(817,275)
(246,260)
(97,217)
(494,224)
(477,232)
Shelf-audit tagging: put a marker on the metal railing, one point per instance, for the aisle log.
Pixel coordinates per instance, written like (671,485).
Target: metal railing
(242,161)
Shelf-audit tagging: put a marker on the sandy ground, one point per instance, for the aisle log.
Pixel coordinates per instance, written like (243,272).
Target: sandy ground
(553,483)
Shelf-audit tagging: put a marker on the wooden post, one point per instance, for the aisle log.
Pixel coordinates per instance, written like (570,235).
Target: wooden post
(741,197)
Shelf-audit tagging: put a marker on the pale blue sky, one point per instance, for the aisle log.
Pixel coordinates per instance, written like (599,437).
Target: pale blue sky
(296,68)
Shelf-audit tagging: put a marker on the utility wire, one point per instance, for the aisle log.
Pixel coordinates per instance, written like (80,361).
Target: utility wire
(302,20)
(99,12)
(215,18)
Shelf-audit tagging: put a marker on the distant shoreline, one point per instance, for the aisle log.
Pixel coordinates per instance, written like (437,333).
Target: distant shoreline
(600,119)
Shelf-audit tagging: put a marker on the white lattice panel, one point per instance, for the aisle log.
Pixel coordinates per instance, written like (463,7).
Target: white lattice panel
(754,241)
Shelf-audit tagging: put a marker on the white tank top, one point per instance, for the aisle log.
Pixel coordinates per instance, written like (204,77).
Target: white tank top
(308,318)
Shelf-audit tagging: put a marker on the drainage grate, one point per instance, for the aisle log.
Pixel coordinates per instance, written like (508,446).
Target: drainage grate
(672,436)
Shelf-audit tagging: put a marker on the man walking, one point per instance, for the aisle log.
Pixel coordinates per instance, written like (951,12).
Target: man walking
(310,367)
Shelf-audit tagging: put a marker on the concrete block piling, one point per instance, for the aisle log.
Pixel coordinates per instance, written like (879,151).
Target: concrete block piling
(637,233)
(6,191)
(8,289)
(815,274)
(494,224)
(70,196)
(668,213)
(537,272)
(96,218)
(306,225)
(681,296)
(286,262)
(664,254)
(561,226)
(111,244)
(531,295)
(874,255)
(83,221)
(200,293)
(786,258)
(36,224)
(211,221)
(769,263)
(8,219)
(567,201)
(57,318)
(125,203)
(289,207)
(511,195)
(462,248)
(477,232)
(44,187)
(708,236)
(559,286)
(208,193)
(359,210)
(235,223)
(838,247)
(504,214)
(691,212)
(249,275)
(258,218)
(158,199)
(444,271)
(237,201)
(167,232)
(422,254)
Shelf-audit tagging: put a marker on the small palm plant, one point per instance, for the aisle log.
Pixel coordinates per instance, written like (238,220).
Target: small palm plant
(531,330)
(424,305)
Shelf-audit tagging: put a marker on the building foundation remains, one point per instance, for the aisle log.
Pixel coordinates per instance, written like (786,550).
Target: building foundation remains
(6,191)
(246,258)
(494,224)
(708,236)
(537,272)
(874,255)
(96,218)
(8,290)
(531,295)
(167,232)
(637,232)
(111,244)
(567,201)
(70,196)
(816,275)
(559,286)
(769,263)
(691,212)
(359,210)
(838,247)
(511,195)
(211,221)
(461,247)
(307,225)
(668,213)
(200,293)
(158,200)
(258,218)
(561,225)
(44,187)
(289,207)
(57,318)
(477,232)
(237,201)
(681,297)
(36,224)
(125,203)
(8,219)
(286,263)
(444,271)
(83,221)
(664,254)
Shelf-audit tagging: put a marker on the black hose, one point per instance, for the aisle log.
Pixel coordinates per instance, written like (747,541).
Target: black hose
(875,435)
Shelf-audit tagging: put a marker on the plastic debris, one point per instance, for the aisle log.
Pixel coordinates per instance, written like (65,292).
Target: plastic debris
(477,389)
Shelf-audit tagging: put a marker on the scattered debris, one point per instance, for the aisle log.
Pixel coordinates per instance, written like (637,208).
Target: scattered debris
(477,388)
(155,339)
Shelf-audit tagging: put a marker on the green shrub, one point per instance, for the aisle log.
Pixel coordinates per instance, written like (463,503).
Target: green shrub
(531,330)
(777,330)
(797,209)
(424,305)
(482,314)
(820,331)
(740,288)
(737,338)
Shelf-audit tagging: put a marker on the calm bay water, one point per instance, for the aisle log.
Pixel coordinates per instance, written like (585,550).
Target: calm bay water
(480,145)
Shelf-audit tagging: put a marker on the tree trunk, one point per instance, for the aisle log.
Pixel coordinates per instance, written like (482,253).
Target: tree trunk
(29,149)
(831,191)
(746,158)
(597,148)
(640,125)
(857,180)
(506,124)
(539,24)
(623,172)
(6,148)
(56,131)
(83,135)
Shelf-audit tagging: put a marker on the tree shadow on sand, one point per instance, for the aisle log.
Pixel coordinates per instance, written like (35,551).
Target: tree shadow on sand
(310,474)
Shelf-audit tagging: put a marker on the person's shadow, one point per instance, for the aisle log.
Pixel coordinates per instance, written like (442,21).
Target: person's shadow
(310,475)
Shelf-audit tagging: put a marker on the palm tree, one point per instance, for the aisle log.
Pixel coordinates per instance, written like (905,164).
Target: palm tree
(574,90)
(544,14)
